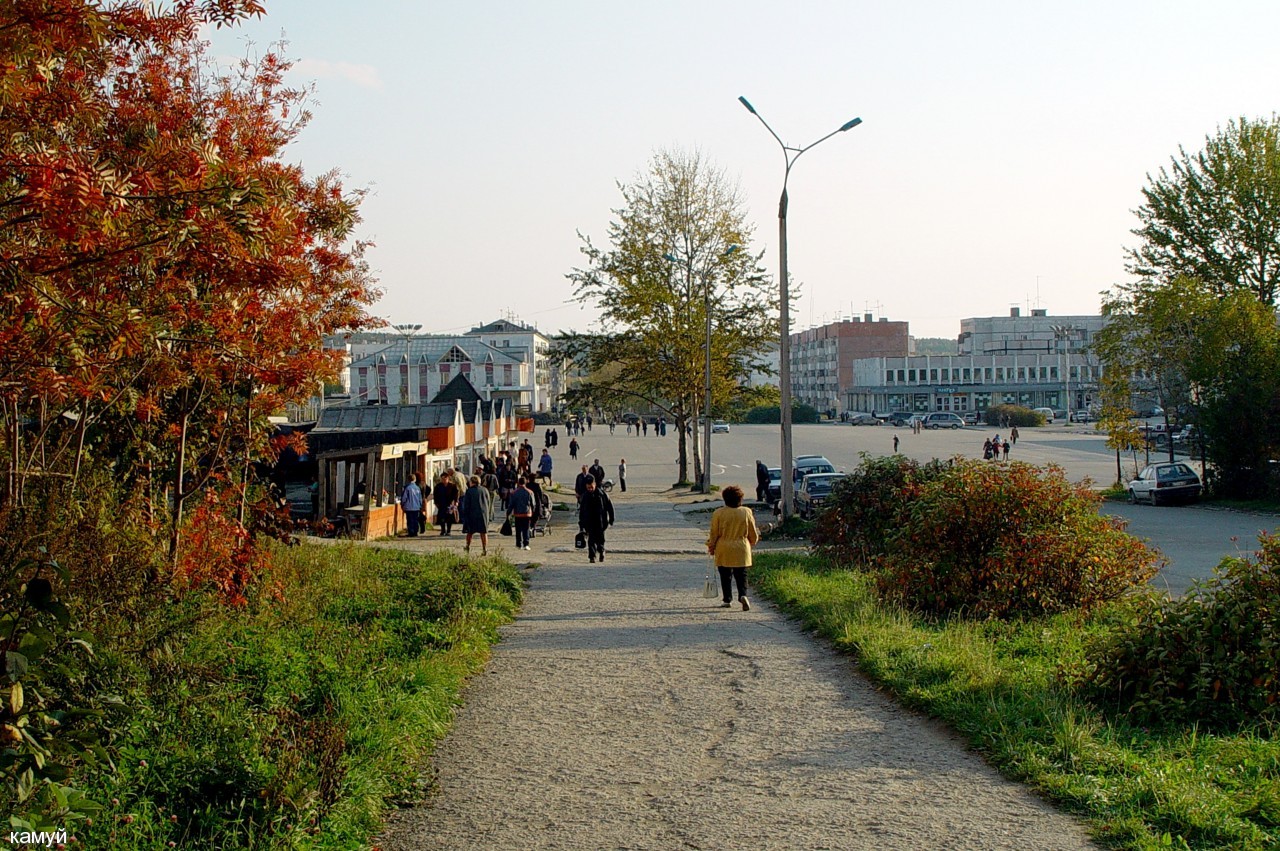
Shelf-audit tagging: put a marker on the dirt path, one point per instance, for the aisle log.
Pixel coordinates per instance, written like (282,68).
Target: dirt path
(622,710)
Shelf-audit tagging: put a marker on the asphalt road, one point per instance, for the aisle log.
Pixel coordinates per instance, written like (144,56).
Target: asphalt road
(1194,538)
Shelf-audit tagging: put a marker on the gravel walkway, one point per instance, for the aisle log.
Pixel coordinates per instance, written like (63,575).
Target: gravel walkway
(622,710)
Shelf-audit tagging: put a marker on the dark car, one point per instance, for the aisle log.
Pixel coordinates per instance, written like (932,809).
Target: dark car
(900,418)
(813,491)
(807,465)
(774,491)
(1168,482)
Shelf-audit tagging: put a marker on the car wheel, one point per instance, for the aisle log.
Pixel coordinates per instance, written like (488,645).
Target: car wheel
(1133,497)
(954,426)
(1155,500)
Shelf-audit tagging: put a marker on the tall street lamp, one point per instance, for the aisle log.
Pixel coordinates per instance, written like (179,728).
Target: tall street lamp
(790,155)
(1063,333)
(407,330)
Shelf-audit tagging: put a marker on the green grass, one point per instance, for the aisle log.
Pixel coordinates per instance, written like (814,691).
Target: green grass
(297,722)
(1001,686)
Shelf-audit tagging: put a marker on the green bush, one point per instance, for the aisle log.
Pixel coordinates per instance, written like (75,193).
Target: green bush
(1007,540)
(1012,415)
(772,414)
(1211,656)
(867,506)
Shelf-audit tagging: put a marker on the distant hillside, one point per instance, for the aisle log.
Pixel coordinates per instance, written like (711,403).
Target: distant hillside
(936,346)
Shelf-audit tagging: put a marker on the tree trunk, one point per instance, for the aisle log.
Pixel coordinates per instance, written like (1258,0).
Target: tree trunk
(179,495)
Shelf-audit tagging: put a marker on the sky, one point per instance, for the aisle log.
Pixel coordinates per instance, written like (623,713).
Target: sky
(1003,149)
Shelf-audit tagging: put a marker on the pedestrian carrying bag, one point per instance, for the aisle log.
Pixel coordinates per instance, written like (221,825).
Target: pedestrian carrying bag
(506,527)
(709,586)
(580,540)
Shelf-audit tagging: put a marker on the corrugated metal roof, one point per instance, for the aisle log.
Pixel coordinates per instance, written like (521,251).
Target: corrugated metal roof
(386,417)
(432,349)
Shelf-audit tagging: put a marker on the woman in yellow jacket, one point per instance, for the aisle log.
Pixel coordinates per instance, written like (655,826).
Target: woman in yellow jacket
(733,533)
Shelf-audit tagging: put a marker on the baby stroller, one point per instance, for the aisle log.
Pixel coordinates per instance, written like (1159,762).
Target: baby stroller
(606,485)
(542,520)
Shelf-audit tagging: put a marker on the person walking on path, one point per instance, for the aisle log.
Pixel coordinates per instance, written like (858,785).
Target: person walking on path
(762,481)
(597,473)
(544,466)
(595,514)
(1013,435)
(411,505)
(622,475)
(573,449)
(521,506)
(895,444)
(580,483)
(476,511)
(733,534)
(445,496)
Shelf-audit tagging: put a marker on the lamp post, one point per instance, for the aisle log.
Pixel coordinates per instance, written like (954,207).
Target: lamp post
(407,330)
(1063,333)
(790,155)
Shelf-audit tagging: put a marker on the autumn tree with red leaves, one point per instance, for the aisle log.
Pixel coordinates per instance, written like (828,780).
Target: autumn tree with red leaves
(167,275)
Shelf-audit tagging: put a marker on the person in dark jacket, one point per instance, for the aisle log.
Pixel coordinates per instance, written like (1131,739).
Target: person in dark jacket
(762,481)
(595,514)
(445,495)
(597,473)
(521,506)
(580,483)
(476,511)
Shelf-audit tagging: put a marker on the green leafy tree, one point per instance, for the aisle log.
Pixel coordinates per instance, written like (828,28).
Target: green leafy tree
(1215,215)
(679,250)
(1213,359)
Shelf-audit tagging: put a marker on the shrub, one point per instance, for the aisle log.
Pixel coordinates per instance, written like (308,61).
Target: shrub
(1211,656)
(1007,540)
(772,414)
(867,506)
(1012,415)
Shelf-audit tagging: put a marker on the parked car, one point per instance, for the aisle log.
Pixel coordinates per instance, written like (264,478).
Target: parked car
(773,491)
(1168,482)
(971,417)
(1047,413)
(813,491)
(863,419)
(900,418)
(913,419)
(943,419)
(719,427)
(807,465)
(1083,416)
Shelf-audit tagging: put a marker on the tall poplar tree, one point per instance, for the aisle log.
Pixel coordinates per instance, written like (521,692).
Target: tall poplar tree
(679,251)
(1215,215)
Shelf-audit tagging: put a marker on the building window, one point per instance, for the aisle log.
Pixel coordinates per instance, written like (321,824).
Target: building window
(888,376)
(933,374)
(902,375)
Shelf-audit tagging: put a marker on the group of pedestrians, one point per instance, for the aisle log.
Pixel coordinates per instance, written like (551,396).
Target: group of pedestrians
(470,501)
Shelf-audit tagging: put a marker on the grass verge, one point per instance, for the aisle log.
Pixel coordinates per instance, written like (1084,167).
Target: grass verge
(295,723)
(1000,685)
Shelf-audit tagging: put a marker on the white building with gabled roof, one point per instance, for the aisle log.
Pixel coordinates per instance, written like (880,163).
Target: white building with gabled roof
(412,370)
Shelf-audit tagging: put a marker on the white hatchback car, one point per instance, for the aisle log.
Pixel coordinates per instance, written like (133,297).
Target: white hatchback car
(1168,482)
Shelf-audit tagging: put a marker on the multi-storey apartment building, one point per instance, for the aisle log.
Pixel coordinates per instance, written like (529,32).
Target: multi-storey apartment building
(822,358)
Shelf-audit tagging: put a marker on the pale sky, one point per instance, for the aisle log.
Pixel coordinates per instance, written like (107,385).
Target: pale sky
(1003,147)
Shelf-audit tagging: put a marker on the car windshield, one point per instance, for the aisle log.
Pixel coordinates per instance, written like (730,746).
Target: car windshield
(819,485)
(1175,471)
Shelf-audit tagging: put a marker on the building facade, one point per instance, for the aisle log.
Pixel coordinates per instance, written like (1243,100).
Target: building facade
(1034,361)
(503,359)
(822,359)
